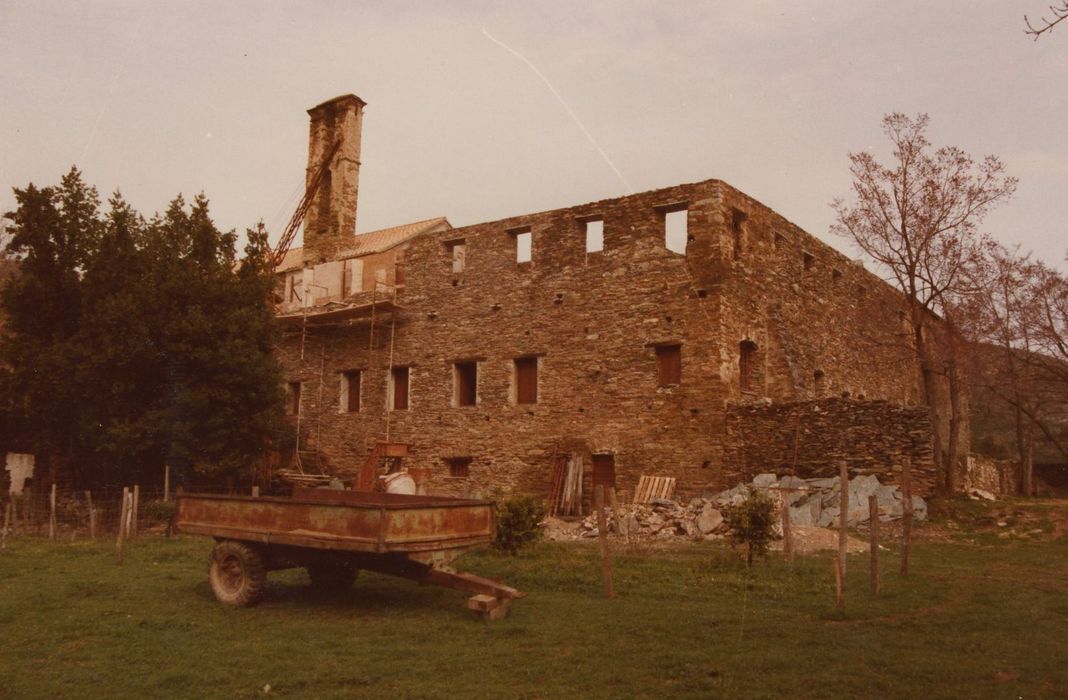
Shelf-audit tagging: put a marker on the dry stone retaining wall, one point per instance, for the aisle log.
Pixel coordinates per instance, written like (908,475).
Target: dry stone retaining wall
(808,438)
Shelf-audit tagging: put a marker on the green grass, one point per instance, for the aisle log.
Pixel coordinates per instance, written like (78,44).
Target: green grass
(983,619)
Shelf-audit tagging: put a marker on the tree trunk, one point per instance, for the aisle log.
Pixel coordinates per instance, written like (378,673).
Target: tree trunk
(930,397)
(1025,452)
(954,426)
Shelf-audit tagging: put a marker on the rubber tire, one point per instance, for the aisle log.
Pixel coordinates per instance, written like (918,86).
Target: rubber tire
(237,573)
(332,575)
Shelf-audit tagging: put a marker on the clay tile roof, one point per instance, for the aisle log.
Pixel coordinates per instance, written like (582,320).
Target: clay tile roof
(373,241)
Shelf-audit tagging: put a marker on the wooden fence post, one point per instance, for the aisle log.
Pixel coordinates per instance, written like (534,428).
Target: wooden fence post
(52,512)
(839,583)
(129,515)
(602,536)
(873,520)
(843,515)
(7,523)
(906,521)
(122,524)
(136,510)
(92,515)
(614,506)
(166,482)
(787,534)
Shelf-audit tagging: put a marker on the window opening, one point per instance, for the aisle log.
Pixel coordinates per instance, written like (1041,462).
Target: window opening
(669,365)
(526,379)
(524,246)
(809,260)
(459,467)
(399,378)
(594,236)
(293,398)
(458,254)
(747,350)
(836,276)
(350,391)
(465,383)
(818,383)
(675,234)
(737,233)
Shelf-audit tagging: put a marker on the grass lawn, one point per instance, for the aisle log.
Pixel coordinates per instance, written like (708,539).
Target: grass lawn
(981,616)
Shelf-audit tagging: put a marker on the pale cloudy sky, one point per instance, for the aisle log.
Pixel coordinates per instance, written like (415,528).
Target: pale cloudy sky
(161,98)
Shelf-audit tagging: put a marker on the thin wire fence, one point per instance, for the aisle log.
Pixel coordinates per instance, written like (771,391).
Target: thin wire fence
(82,513)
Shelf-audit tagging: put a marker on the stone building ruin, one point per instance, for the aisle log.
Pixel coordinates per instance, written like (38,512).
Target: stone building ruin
(688,331)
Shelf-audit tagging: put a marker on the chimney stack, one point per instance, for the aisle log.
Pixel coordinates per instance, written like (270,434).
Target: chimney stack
(330,223)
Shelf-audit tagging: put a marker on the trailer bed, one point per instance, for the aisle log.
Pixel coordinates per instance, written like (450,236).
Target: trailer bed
(335,533)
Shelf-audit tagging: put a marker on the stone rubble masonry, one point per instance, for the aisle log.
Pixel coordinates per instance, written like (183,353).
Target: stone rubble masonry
(998,476)
(823,326)
(330,223)
(808,438)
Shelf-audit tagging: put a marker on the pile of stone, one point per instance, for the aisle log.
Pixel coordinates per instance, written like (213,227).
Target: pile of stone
(812,502)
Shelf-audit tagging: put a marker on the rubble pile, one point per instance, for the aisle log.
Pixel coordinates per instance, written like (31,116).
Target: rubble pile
(812,502)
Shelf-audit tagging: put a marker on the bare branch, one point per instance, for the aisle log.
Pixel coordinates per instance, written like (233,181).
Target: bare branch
(1059,12)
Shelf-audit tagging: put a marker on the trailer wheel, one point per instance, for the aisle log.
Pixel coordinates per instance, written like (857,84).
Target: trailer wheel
(237,572)
(332,575)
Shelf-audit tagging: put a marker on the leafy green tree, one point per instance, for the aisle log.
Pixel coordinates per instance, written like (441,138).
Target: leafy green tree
(130,344)
(53,232)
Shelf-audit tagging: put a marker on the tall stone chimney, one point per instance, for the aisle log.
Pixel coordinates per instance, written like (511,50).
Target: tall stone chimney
(330,223)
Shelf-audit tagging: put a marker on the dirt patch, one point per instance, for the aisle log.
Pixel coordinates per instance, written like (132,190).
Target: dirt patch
(808,540)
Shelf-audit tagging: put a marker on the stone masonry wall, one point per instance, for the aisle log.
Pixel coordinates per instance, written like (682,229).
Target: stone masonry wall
(594,320)
(807,438)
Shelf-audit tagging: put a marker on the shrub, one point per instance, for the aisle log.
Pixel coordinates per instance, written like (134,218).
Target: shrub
(158,511)
(518,519)
(752,523)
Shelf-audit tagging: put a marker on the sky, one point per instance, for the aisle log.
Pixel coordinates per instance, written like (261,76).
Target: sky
(481,110)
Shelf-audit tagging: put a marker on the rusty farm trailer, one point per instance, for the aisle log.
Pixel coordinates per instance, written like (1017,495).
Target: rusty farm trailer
(334,533)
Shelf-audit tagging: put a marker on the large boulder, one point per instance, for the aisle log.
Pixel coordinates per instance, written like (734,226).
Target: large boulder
(763,481)
(709,520)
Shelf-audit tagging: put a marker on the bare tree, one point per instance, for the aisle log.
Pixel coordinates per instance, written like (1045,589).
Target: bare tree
(1049,292)
(994,316)
(917,219)
(1059,13)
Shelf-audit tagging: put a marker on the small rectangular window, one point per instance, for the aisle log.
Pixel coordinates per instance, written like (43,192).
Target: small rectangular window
(809,260)
(747,350)
(594,235)
(836,275)
(675,230)
(398,268)
(353,276)
(526,380)
(458,254)
(669,364)
(524,246)
(779,241)
(737,234)
(350,391)
(398,388)
(459,467)
(293,398)
(465,383)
